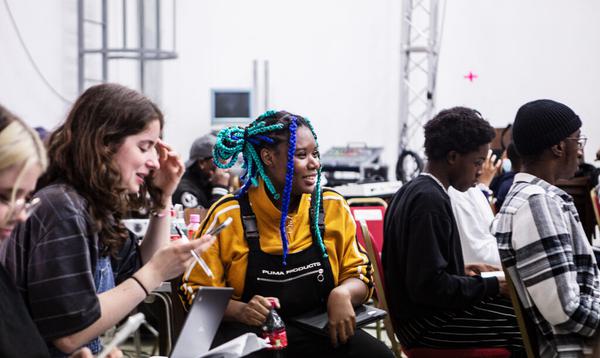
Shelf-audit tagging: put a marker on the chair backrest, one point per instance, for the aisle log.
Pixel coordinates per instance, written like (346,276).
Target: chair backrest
(595,204)
(579,189)
(372,211)
(375,201)
(375,257)
(378,281)
(526,326)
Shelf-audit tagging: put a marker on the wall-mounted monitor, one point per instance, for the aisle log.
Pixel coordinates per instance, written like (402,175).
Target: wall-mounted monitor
(231,106)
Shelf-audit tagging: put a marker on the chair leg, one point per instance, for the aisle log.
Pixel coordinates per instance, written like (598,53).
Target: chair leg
(137,342)
(387,324)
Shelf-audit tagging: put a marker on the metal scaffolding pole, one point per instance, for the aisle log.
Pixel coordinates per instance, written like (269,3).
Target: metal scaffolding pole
(419,60)
(145,50)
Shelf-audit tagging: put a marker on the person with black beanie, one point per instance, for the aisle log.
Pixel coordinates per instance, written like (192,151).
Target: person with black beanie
(542,244)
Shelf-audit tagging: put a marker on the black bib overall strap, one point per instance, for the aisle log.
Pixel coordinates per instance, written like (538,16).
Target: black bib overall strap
(301,286)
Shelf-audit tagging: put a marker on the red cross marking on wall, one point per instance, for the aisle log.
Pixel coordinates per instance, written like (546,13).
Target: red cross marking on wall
(471,76)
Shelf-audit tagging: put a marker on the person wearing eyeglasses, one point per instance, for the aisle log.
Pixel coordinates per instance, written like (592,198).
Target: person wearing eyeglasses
(22,161)
(586,169)
(542,244)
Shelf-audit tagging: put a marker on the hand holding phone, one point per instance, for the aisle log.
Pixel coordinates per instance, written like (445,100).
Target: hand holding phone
(216,230)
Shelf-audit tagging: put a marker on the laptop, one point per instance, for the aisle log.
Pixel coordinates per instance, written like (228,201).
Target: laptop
(317,321)
(202,322)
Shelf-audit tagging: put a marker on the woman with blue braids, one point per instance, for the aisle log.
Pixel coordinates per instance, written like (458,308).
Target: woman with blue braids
(289,241)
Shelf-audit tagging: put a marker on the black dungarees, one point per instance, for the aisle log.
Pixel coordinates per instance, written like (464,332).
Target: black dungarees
(301,286)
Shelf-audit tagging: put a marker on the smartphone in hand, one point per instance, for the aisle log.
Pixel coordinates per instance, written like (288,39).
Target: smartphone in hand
(216,230)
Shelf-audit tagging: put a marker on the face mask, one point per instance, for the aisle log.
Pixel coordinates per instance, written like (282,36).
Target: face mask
(506,165)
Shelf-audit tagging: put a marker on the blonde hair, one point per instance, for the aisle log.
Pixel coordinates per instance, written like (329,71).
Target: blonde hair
(20,146)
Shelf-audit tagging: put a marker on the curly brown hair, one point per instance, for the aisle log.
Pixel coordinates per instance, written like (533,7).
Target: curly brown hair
(81,152)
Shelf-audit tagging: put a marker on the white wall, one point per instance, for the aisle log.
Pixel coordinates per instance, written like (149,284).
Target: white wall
(335,61)
(332,61)
(523,50)
(49,30)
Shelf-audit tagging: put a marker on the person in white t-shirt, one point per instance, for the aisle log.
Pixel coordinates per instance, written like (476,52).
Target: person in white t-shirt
(474,215)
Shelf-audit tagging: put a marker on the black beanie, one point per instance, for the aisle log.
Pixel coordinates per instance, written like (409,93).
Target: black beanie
(541,124)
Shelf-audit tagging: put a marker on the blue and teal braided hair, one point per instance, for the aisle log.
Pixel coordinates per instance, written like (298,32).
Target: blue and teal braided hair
(267,131)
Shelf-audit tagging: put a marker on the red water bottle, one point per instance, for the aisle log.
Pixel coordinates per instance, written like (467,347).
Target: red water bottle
(274,329)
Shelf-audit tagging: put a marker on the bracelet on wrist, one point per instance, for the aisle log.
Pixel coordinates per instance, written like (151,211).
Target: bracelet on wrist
(163,212)
(159,214)
(141,285)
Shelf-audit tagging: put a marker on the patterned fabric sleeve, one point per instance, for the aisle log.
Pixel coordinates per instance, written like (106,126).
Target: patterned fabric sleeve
(546,263)
(53,257)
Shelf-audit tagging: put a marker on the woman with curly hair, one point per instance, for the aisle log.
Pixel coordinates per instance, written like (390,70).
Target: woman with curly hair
(22,160)
(74,262)
(290,242)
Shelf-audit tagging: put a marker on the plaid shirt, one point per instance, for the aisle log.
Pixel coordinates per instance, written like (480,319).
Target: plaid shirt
(545,251)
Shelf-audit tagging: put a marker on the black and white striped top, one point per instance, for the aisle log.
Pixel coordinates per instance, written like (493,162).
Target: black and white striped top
(52,258)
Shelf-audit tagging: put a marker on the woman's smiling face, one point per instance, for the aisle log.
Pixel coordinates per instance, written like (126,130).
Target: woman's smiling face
(137,157)
(306,163)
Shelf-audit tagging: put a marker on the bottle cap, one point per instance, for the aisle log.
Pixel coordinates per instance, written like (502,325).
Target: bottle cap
(273,303)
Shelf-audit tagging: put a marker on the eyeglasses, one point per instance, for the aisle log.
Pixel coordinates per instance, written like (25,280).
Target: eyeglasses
(581,140)
(29,206)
